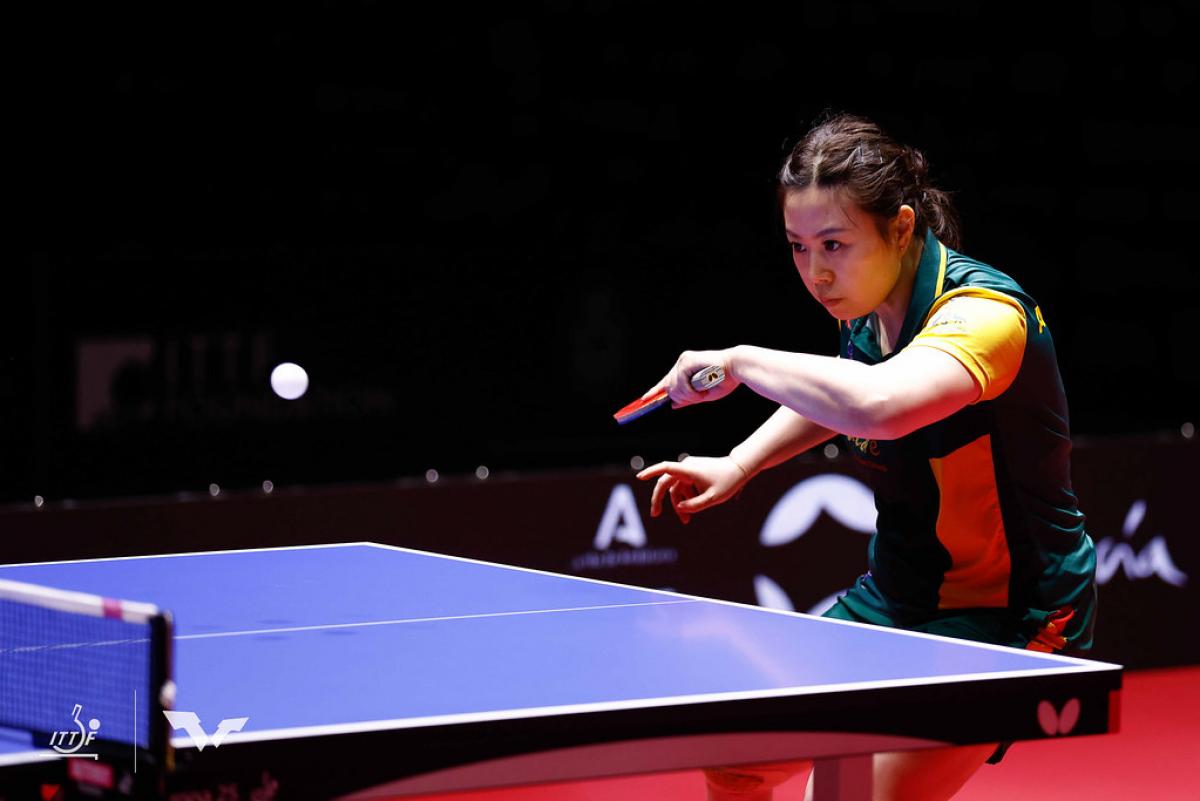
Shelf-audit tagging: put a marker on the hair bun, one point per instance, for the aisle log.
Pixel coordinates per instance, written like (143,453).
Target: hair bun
(881,174)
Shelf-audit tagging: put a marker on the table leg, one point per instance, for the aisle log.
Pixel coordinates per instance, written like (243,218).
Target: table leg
(843,779)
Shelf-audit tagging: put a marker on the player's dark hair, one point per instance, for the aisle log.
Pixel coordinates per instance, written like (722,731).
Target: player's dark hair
(880,174)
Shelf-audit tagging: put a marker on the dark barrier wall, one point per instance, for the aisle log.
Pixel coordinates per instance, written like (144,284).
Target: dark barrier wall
(793,539)
(481,234)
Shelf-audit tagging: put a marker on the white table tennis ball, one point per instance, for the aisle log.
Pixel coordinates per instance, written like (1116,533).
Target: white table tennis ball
(289,381)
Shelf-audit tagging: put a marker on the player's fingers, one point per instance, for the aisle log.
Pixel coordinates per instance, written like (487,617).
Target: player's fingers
(664,383)
(678,388)
(681,491)
(657,470)
(699,503)
(715,394)
(683,395)
(656,497)
(677,469)
(656,388)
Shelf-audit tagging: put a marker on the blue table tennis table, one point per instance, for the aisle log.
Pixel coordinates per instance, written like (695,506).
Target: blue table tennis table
(361,671)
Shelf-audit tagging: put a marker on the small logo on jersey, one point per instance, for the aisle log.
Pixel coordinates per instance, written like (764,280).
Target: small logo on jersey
(1055,723)
(864,445)
(948,318)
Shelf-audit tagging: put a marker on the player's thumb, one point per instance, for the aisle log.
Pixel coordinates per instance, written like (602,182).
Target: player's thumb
(697,504)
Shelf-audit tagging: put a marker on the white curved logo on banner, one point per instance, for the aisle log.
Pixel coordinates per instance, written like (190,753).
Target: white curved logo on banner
(771,595)
(845,499)
(1153,560)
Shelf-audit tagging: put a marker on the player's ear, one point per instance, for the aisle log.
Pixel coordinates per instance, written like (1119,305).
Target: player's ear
(903,225)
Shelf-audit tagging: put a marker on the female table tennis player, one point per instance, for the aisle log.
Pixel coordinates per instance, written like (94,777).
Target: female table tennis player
(947,394)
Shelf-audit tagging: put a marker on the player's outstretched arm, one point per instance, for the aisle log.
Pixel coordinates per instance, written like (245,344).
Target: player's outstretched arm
(916,387)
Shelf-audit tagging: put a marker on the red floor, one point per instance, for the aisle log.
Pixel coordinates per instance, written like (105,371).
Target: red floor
(1153,758)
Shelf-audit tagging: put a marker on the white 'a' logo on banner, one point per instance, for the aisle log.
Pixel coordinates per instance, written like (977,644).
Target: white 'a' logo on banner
(621,521)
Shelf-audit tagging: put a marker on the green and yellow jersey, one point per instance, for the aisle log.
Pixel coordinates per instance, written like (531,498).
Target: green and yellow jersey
(976,512)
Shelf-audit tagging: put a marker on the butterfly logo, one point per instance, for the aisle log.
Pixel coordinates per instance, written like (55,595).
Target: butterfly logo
(1054,722)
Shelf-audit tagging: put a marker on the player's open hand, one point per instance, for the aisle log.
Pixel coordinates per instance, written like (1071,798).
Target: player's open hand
(678,382)
(695,484)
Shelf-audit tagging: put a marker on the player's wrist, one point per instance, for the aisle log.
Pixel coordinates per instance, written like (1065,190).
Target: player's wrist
(741,463)
(734,362)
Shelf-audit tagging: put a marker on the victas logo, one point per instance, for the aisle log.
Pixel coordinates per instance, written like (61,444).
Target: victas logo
(69,741)
(190,722)
(847,500)
(1152,560)
(621,523)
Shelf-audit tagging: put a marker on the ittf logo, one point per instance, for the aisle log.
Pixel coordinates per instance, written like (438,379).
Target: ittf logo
(75,739)
(190,722)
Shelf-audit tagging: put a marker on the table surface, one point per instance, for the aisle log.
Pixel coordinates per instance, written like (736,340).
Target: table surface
(353,638)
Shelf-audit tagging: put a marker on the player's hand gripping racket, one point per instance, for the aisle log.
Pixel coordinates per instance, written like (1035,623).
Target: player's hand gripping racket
(702,381)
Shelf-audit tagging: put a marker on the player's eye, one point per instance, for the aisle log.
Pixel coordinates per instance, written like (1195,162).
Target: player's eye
(832,245)
(797,247)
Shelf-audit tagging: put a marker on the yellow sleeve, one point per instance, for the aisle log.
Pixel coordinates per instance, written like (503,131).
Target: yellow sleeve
(984,330)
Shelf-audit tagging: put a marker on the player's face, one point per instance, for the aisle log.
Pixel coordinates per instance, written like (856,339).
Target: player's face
(846,264)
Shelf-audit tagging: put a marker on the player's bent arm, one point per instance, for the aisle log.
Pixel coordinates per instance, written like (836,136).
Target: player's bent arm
(785,434)
(916,387)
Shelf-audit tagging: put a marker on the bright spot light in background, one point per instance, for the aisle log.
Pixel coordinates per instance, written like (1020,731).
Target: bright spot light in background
(637,463)
(289,381)
(214,490)
(431,476)
(1188,430)
(38,500)
(482,472)
(831,451)
(268,487)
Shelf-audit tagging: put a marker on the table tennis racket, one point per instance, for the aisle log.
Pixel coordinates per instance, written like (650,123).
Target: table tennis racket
(702,381)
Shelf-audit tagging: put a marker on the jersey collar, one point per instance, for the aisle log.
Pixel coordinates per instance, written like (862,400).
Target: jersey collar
(928,286)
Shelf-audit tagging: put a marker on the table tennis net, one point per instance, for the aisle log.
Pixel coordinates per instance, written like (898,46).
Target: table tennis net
(72,664)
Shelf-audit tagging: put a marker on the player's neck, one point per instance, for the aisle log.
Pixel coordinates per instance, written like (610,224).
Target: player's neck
(890,313)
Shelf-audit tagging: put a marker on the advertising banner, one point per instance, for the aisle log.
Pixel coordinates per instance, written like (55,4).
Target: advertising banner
(793,539)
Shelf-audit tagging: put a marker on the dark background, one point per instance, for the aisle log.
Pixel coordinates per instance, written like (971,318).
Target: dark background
(483,230)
